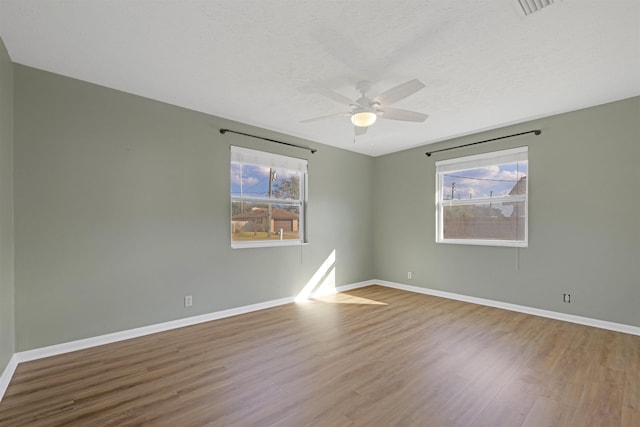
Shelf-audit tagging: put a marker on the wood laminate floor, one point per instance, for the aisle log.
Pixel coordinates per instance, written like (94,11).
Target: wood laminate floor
(369,357)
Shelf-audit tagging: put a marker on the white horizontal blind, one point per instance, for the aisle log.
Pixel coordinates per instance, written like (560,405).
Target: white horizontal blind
(254,157)
(483,160)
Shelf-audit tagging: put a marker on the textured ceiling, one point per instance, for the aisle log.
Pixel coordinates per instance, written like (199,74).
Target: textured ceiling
(484,63)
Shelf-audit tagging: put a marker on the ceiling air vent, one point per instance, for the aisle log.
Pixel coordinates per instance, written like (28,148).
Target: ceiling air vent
(530,6)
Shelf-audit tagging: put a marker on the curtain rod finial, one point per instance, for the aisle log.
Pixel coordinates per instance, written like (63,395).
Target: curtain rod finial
(223,131)
(537,131)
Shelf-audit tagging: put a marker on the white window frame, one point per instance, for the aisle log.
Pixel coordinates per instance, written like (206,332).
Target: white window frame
(275,161)
(479,161)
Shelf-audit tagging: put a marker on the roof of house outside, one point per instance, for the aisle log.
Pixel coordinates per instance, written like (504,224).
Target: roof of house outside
(520,187)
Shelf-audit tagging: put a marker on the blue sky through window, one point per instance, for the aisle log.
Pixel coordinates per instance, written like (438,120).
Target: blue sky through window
(253,180)
(490,181)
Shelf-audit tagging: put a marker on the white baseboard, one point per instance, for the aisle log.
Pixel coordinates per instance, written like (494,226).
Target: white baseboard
(357,285)
(602,324)
(54,350)
(7,374)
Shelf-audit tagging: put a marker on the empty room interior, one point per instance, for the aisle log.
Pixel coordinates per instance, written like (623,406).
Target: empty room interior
(310,213)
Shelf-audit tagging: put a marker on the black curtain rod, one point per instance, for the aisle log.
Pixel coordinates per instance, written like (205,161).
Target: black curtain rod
(313,150)
(537,132)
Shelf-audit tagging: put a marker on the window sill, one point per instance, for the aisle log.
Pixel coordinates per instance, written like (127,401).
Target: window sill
(262,244)
(506,244)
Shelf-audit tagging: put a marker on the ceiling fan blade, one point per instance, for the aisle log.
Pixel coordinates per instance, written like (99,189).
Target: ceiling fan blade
(405,115)
(328,116)
(357,130)
(341,99)
(399,92)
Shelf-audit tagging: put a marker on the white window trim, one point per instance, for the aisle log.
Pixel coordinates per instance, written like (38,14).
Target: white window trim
(263,158)
(478,161)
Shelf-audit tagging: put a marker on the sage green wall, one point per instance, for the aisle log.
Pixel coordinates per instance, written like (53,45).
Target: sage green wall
(7,326)
(122,208)
(584,219)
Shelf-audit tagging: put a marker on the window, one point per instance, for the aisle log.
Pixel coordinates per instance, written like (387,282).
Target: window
(482,200)
(267,199)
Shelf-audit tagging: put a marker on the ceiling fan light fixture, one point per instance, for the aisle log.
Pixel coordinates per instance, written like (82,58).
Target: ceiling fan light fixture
(363,119)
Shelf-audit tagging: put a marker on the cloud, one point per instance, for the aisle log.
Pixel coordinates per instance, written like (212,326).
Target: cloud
(491,181)
(252,175)
(238,178)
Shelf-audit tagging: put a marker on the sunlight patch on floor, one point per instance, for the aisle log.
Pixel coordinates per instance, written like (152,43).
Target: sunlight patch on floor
(341,298)
(322,287)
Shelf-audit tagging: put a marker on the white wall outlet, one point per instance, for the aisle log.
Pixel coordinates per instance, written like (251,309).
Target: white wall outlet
(409,275)
(188,301)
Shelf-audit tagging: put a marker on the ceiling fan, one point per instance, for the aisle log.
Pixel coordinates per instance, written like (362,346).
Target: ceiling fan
(364,111)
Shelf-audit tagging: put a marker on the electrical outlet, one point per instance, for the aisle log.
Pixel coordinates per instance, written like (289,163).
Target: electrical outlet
(188,301)
(409,275)
(566,298)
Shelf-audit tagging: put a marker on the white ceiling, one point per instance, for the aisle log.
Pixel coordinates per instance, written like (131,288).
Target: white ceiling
(485,64)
